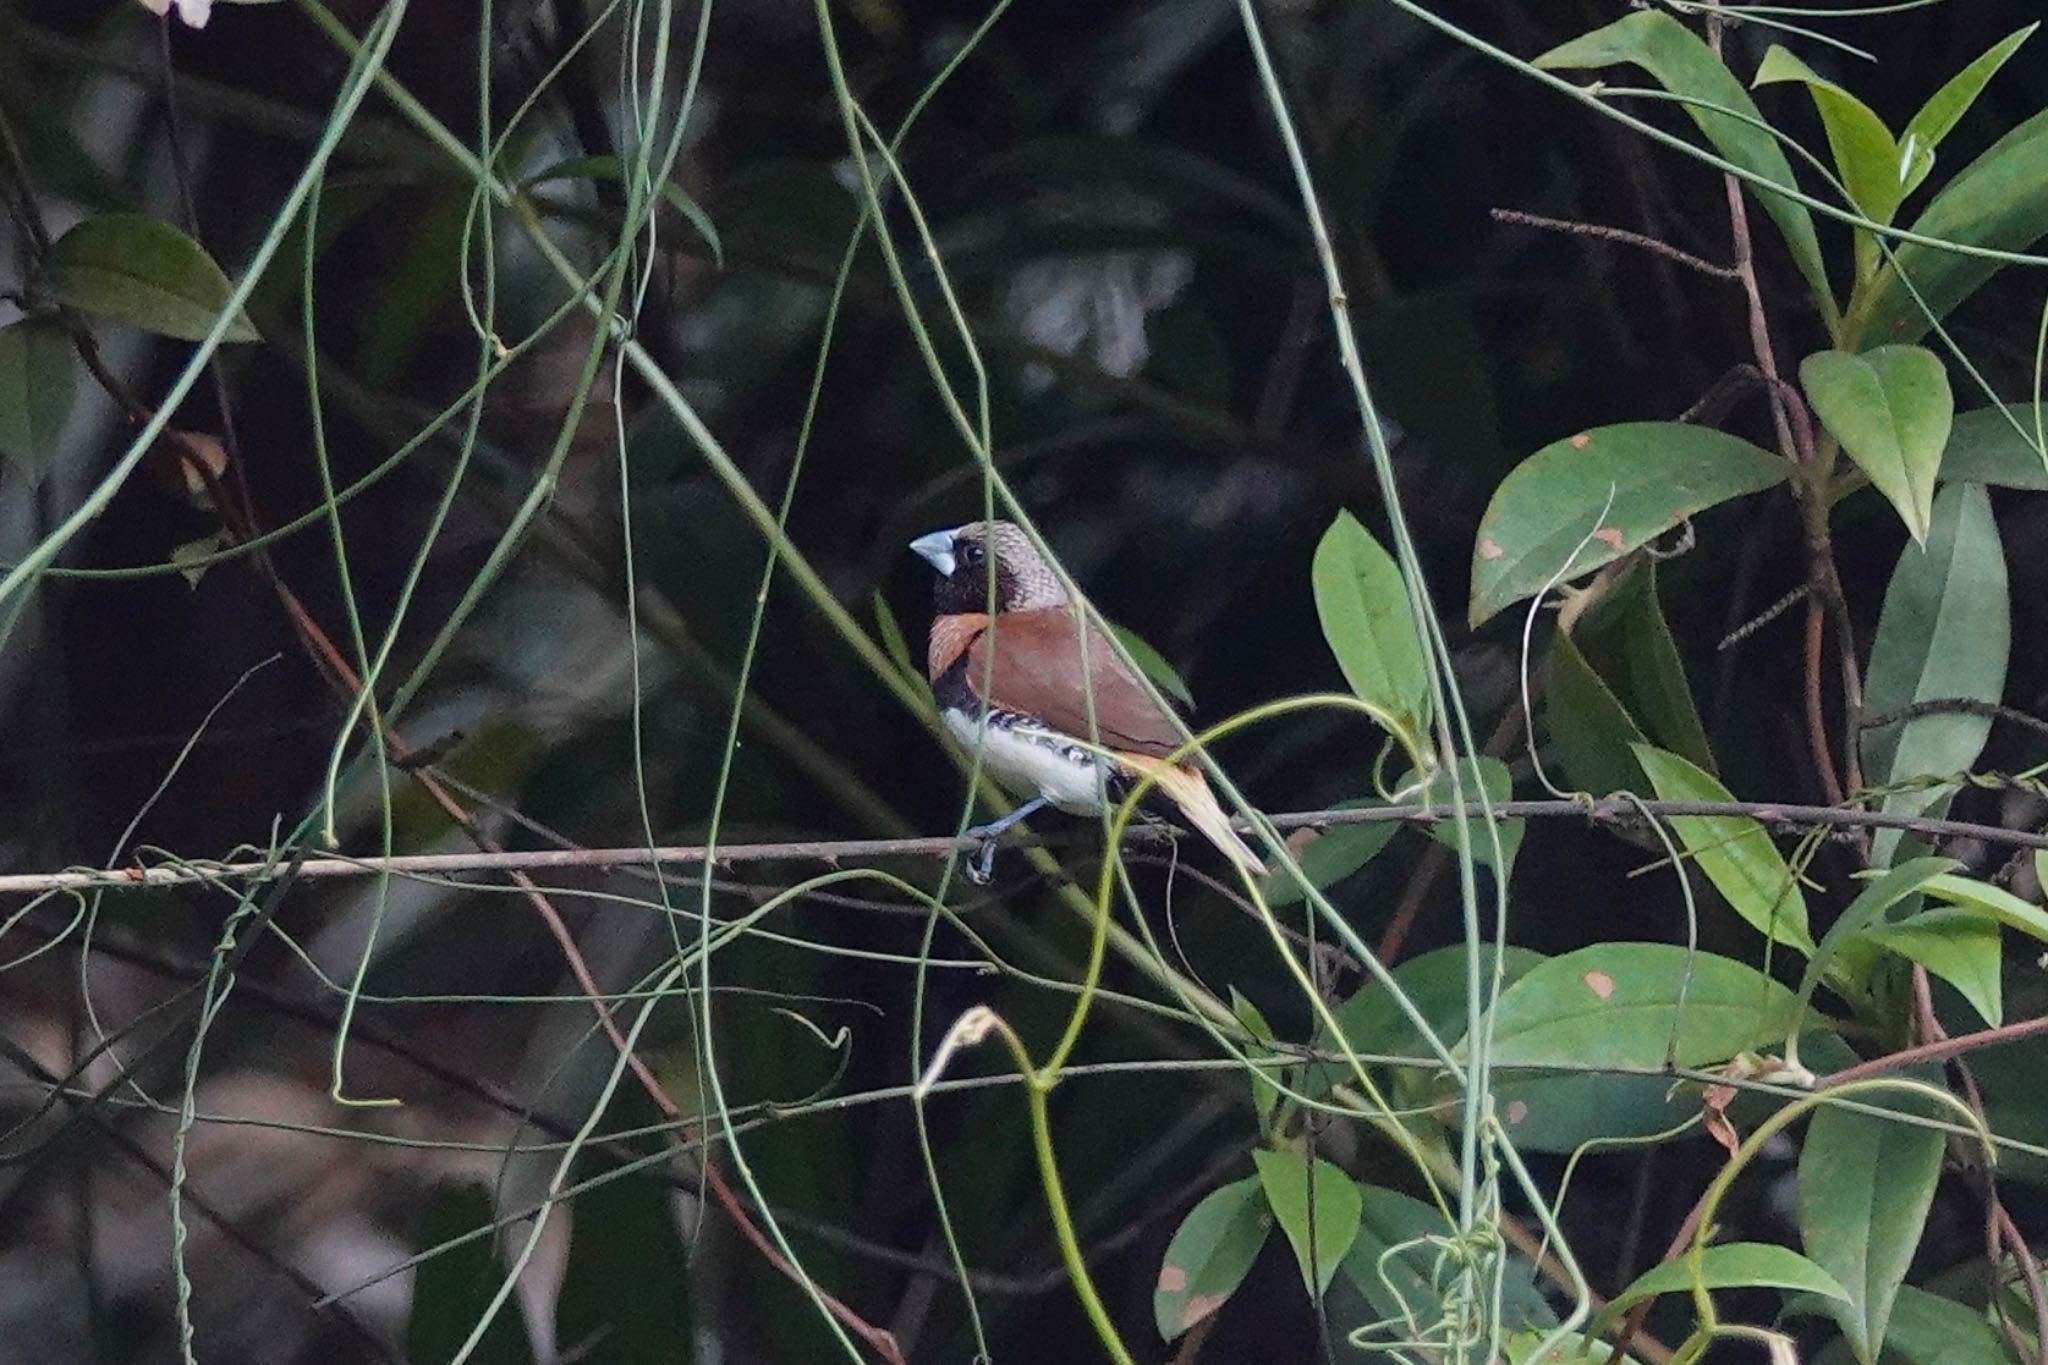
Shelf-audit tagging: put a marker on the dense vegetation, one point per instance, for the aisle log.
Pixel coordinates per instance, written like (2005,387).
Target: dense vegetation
(477,430)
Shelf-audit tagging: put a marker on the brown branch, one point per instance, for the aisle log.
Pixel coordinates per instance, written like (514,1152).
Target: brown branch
(1968,706)
(1622,235)
(1938,1051)
(1611,811)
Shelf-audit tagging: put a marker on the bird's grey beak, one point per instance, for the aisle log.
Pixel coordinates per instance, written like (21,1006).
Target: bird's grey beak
(937,550)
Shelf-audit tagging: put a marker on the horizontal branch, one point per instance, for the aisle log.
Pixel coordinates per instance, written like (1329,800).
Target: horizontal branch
(1610,810)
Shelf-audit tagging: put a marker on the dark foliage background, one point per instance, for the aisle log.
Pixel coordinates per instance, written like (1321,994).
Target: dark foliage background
(1108,194)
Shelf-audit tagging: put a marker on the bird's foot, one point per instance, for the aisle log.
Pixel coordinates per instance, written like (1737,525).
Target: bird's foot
(981,865)
(981,868)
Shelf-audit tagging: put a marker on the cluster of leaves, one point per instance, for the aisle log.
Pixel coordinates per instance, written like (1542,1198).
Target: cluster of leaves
(1456,1050)
(1588,1042)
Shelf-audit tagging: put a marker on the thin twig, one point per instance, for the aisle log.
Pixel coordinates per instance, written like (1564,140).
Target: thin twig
(1610,811)
(1623,235)
(1953,705)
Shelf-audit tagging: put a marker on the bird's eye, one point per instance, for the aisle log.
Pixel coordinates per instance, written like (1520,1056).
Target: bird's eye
(972,554)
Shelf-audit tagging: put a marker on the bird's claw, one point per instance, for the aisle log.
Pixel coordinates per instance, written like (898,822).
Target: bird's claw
(981,867)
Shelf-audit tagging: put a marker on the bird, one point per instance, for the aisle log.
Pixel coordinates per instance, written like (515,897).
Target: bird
(1011,685)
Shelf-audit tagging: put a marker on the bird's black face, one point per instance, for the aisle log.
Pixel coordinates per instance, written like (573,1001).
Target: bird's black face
(961,559)
(966,557)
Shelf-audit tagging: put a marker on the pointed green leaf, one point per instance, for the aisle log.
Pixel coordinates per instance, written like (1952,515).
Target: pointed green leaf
(1999,201)
(1734,851)
(1434,982)
(1331,856)
(893,642)
(1482,774)
(1865,1183)
(1946,107)
(1362,602)
(143,272)
(1871,903)
(1997,445)
(1928,1329)
(1732,1265)
(1994,902)
(1891,409)
(1152,664)
(1265,1095)
(1307,1199)
(1625,640)
(1866,157)
(1592,732)
(1945,631)
(1683,64)
(1625,1004)
(1622,1006)
(1959,946)
(38,375)
(1210,1254)
(1647,477)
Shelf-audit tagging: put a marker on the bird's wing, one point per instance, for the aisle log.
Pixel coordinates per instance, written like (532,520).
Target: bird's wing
(1037,673)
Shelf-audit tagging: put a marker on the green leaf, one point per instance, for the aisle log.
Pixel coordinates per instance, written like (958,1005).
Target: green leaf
(1872,902)
(1210,1254)
(143,272)
(1634,1004)
(1152,664)
(1656,475)
(893,642)
(1865,1183)
(1732,1265)
(37,379)
(1734,851)
(1301,1195)
(1331,856)
(1930,1330)
(1623,1007)
(1482,774)
(1397,1266)
(1625,637)
(1995,445)
(1591,730)
(1999,201)
(1946,106)
(1994,902)
(1683,64)
(1959,946)
(1362,602)
(1869,162)
(1945,632)
(451,1290)
(607,168)
(1891,409)
(628,1279)
(192,558)
(1616,680)
(1435,983)
(1519,1348)
(1266,1096)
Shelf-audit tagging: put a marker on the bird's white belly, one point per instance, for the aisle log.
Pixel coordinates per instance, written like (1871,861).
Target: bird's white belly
(1033,762)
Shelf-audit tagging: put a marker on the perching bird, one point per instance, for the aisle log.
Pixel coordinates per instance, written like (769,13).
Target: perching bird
(1013,687)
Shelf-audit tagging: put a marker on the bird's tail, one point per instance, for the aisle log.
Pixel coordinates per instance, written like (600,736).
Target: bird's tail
(1188,789)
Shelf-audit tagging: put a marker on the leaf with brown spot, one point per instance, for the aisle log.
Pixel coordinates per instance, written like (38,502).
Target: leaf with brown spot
(1600,983)
(1636,479)
(1209,1256)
